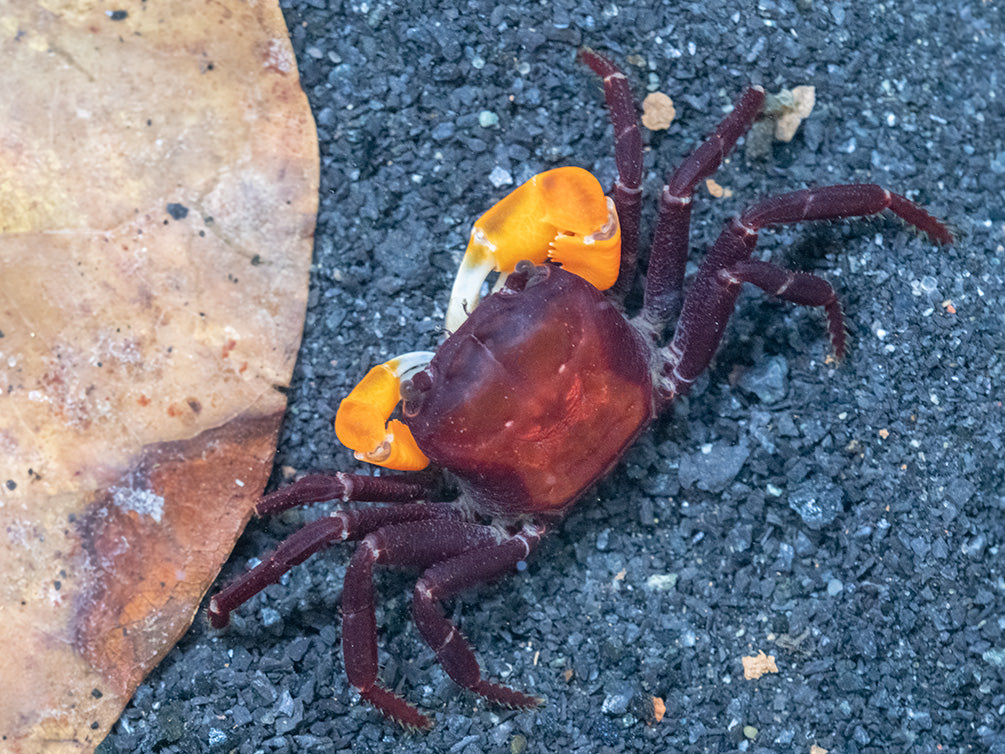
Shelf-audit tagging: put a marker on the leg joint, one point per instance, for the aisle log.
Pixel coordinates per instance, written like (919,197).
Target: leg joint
(728,278)
(424,590)
(622,186)
(369,543)
(669,197)
(740,224)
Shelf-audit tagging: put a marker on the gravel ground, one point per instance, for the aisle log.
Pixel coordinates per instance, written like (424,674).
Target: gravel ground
(847,521)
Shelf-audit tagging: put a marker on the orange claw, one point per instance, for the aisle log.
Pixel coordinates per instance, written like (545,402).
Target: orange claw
(361,422)
(561,215)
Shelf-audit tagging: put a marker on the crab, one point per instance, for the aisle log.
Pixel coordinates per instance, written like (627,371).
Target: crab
(539,389)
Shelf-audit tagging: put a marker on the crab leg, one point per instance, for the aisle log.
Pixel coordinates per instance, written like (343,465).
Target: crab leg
(627,191)
(713,294)
(341,526)
(802,288)
(457,555)
(359,488)
(837,202)
(444,580)
(668,256)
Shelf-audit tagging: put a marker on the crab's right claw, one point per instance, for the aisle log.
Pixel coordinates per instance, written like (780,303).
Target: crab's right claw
(561,215)
(587,234)
(361,422)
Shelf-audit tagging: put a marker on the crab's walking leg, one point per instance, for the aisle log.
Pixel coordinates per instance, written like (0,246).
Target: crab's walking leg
(476,549)
(314,537)
(627,191)
(837,202)
(444,580)
(713,294)
(316,488)
(668,255)
(800,288)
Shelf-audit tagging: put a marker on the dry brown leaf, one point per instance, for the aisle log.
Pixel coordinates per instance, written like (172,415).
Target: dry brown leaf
(714,189)
(158,188)
(658,111)
(659,708)
(790,108)
(755,667)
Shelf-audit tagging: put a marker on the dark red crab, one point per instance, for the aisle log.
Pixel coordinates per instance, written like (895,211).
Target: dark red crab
(542,387)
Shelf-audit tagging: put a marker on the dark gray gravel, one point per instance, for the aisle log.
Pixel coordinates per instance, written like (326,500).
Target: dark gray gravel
(859,541)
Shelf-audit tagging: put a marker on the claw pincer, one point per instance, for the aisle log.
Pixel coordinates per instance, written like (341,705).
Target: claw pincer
(362,421)
(560,215)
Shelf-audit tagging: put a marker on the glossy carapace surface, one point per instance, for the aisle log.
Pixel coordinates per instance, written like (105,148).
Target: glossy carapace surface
(536,396)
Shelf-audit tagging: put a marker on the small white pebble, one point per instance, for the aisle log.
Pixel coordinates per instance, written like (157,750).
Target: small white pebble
(216,736)
(500,177)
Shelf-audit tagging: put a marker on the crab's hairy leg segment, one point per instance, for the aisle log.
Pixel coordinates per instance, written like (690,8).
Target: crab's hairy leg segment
(359,640)
(916,216)
(314,537)
(361,422)
(836,202)
(800,288)
(668,256)
(422,544)
(316,488)
(713,293)
(562,215)
(396,709)
(627,191)
(444,580)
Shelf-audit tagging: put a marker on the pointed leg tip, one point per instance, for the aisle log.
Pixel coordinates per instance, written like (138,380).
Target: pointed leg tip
(396,709)
(950,234)
(424,727)
(507,697)
(537,702)
(524,701)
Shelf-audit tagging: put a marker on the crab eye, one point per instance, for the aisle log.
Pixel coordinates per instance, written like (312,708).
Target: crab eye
(561,215)
(413,392)
(535,273)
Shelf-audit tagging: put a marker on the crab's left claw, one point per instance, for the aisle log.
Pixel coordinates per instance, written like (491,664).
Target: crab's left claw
(561,215)
(361,422)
